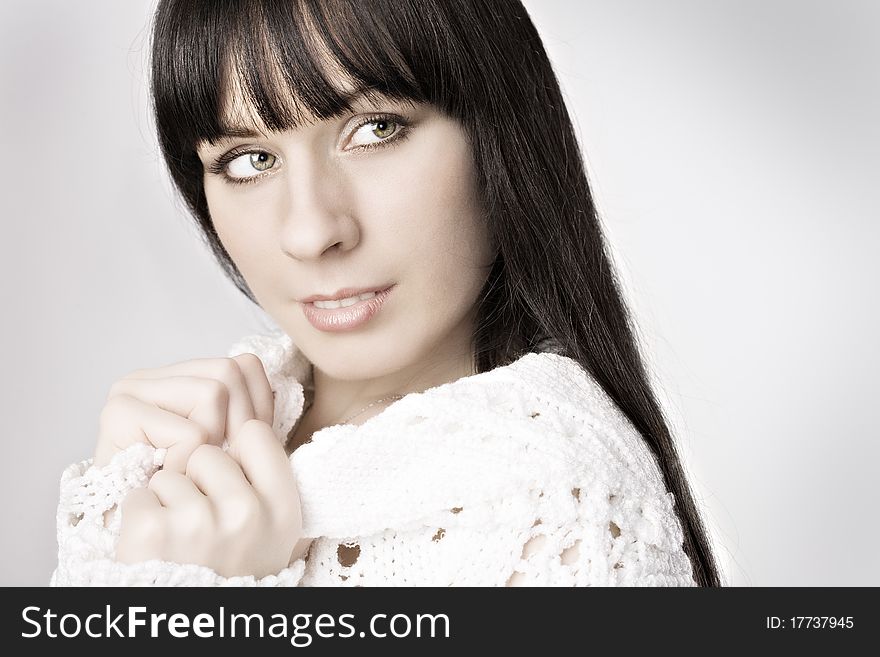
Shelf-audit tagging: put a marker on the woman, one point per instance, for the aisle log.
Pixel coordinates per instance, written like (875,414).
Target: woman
(455,395)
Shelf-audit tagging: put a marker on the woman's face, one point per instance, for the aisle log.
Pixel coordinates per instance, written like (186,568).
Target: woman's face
(384,196)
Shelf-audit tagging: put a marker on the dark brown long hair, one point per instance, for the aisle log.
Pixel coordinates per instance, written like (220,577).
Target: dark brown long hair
(482,63)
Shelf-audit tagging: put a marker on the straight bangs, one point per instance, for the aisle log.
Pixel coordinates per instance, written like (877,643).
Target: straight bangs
(285,60)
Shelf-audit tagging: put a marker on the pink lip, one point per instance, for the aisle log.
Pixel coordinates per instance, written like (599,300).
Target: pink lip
(344,319)
(344,293)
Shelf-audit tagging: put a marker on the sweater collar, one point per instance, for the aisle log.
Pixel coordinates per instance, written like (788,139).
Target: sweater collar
(291,374)
(440,441)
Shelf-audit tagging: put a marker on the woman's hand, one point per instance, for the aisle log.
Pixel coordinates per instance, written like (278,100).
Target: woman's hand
(237,512)
(182,406)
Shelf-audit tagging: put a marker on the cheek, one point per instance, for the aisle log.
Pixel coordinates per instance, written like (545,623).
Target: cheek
(453,238)
(238,226)
(430,219)
(223,212)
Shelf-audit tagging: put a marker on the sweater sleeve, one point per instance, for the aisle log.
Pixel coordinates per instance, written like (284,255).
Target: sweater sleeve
(86,547)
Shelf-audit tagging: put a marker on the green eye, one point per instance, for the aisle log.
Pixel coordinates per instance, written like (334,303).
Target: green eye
(382,128)
(262,161)
(376,131)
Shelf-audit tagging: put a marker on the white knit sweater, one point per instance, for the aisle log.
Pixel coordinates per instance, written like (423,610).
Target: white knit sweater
(529,468)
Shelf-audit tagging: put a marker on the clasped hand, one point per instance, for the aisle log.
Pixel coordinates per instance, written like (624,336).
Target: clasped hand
(235,511)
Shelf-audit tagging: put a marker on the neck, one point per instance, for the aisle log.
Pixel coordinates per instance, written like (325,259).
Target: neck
(334,399)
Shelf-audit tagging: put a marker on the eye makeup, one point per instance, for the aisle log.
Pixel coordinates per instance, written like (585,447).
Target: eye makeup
(220,165)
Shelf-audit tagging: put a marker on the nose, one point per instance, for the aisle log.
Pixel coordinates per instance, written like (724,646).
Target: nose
(314,208)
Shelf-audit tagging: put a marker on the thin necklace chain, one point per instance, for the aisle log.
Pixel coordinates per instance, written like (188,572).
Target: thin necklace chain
(378,401)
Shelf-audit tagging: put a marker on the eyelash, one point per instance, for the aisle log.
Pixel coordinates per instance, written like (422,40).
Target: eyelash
(218,166)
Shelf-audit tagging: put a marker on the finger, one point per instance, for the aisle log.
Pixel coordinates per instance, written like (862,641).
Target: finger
(202,400)
(216,474)
(264,463)
(141,530)
(175,489)
(239,407)
(126,419)
(262,397)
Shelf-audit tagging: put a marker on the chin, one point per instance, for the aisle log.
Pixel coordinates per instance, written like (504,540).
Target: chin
(355,369)
(362,359)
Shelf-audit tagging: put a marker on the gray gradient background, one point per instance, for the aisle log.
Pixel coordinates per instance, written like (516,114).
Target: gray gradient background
(734,150)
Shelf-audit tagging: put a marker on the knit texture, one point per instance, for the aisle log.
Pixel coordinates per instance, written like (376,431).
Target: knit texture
(525,474)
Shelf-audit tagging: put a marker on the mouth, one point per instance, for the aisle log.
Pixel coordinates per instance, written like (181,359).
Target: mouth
(346,310)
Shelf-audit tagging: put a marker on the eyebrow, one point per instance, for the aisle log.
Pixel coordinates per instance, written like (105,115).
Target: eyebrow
(229,131)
